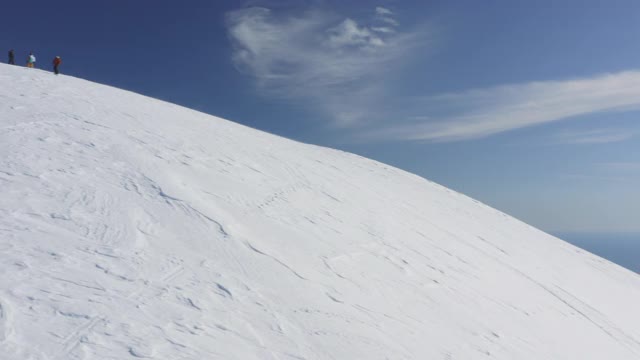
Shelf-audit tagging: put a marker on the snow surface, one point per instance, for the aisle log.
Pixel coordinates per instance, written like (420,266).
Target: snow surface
(134,228)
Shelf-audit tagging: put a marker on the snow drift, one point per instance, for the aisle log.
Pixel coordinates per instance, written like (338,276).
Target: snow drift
(134,228)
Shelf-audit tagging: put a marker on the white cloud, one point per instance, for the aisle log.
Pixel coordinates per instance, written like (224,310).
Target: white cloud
(340,64)
(383,11)
(385,15)
(348,33)
(484,112)
(383,29)
(390,21)
(331,61)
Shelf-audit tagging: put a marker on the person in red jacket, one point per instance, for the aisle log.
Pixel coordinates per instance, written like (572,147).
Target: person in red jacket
(56,63)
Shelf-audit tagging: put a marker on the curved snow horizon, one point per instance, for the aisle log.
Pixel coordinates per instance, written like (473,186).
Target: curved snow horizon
(135,228)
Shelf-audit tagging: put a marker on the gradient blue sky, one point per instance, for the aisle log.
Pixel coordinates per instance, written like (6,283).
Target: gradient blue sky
(529,106)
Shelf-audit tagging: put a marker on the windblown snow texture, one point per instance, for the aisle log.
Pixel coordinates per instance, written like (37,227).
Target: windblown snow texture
(134,228)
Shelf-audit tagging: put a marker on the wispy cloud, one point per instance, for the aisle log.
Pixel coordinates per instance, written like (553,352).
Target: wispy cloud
(596,136)
(331,61)
(483,112)
(385,15)
(340,65)
(380,11)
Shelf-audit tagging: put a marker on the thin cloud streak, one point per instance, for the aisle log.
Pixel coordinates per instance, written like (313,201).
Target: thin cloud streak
(323,59)
(483,112)
(597,136)
(383,11)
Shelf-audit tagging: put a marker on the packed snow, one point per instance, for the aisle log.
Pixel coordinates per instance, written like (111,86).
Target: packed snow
(135,228)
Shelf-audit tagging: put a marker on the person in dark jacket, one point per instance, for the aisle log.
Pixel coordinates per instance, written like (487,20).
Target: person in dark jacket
(12,57)
(56,63)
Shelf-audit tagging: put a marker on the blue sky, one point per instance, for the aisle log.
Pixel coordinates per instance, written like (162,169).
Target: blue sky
(531,107)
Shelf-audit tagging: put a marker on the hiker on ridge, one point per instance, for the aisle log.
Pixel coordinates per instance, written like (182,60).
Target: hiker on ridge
(56,63)
(31,60)
(12,57)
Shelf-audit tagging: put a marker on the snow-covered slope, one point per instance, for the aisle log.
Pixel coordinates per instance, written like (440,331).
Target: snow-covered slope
(130,227)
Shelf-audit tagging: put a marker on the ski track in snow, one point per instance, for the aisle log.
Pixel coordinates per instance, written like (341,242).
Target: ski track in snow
(133,228)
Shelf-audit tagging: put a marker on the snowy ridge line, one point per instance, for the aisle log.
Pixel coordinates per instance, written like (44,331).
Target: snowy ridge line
(134,228)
